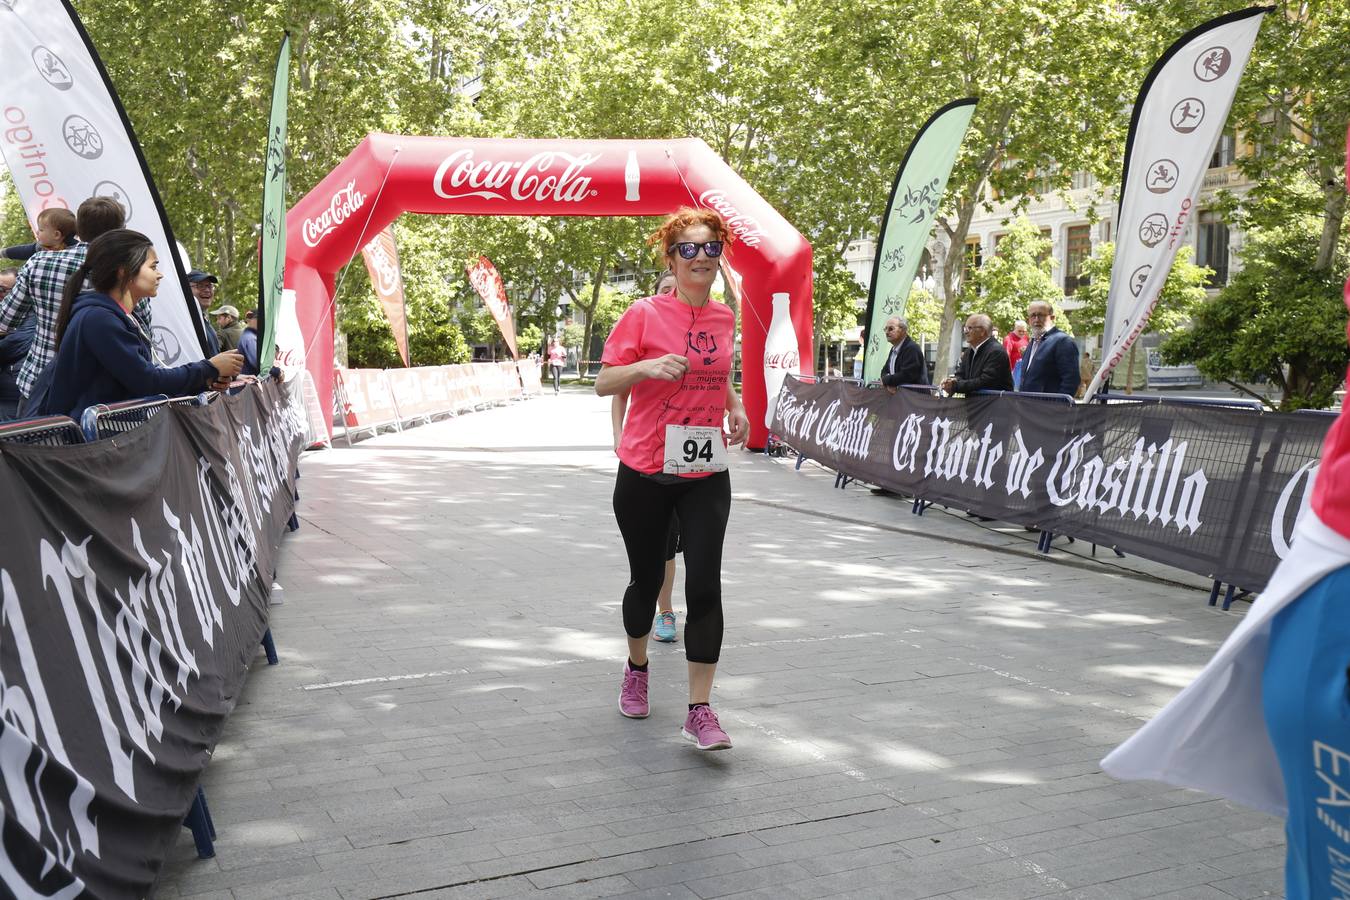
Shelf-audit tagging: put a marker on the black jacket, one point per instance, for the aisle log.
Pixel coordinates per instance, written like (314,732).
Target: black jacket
(104,359)
(986,370)
(910,366)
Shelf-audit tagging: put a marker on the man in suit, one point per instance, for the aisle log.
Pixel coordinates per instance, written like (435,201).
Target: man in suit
(984,363)
(1050,364)
(905,364)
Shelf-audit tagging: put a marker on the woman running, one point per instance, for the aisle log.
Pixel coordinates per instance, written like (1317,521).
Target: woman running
(673,353)
(664,628)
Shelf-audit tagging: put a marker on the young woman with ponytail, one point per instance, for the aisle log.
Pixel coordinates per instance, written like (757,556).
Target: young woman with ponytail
(103,354)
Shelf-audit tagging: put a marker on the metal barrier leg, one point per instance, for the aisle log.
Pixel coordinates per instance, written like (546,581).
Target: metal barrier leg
(198,821)
(801,458)
(1214,592)
(1047,538)
(269,647)
(1228,597)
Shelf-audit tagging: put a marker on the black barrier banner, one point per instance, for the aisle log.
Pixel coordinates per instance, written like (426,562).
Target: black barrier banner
(134,581)
(1210,490)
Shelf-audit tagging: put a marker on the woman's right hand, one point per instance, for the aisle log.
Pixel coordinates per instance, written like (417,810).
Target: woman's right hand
(670,367)
(227,364)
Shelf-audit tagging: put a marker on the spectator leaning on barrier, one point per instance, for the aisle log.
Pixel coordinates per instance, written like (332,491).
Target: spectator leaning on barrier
(203,285)
(55,231)
(905,364)
(40,283)
(1051,362)
(13,348)
(248,343)
(228,327)
(984,363)
(104,355)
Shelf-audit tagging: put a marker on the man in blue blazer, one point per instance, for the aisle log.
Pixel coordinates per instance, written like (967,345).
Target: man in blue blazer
(1050,362)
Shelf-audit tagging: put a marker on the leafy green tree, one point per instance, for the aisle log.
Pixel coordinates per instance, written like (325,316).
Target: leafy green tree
(923,311)
(1183,291)
(1016,275)
(1280,317)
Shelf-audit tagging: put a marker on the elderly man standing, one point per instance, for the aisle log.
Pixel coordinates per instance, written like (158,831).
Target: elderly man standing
(905,364)
(1050,365)
(984,362)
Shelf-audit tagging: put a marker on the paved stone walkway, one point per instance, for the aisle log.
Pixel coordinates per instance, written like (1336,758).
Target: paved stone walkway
(918,704)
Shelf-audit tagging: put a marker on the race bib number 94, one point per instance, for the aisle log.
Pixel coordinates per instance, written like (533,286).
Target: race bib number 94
(691,449)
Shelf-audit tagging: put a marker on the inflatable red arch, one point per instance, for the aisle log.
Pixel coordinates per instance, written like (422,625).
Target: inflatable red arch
(387,175)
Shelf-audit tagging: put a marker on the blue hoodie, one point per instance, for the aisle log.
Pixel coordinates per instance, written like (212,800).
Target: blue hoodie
(104,359)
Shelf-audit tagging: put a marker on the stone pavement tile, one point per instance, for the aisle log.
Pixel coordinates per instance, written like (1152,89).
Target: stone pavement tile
(1249,861)
(592,869)
(1267,883)
(662,892)
(691,871)
(720,885)
(1022,887)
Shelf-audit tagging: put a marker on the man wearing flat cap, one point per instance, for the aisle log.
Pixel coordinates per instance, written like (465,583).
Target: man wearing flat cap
(228,326)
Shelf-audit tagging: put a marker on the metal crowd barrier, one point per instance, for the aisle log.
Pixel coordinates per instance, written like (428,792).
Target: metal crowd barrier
(1234,402)
(51,431)
(107,419)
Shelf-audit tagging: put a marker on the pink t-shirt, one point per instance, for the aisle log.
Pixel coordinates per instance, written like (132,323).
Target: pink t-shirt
(650,329)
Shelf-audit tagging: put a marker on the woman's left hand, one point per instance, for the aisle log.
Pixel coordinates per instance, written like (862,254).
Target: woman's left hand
(738,425)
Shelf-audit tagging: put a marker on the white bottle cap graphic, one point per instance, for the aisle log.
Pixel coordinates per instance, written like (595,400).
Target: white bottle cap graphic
(632,177)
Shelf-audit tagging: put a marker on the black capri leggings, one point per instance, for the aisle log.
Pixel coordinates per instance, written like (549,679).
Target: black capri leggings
(643,507)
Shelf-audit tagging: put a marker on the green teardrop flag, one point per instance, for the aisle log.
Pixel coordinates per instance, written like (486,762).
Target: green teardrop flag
(915,198)
(272,269)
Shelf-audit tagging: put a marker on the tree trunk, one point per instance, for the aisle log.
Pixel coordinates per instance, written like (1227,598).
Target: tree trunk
(1129,370)
(1332,217)
(589,332)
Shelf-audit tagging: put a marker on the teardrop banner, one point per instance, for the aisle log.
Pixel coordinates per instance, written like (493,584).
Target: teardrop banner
(272,255)
(487,281)
(387,175)
(67,138)
(1179,116)
(915,197)
(386,278)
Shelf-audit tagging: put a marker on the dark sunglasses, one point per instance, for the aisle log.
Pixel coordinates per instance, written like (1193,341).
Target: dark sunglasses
(689,249)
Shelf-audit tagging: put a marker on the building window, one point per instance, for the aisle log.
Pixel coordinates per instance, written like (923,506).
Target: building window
(1224,152)
(1083,180)
(974,258)
(1078,247)
(1212,247)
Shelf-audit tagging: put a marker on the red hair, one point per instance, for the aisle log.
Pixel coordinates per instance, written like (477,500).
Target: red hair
(687,217)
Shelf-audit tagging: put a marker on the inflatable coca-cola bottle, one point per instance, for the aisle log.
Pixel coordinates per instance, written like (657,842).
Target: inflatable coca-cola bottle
(781,355)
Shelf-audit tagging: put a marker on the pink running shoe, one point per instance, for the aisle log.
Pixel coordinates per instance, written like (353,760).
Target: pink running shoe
(702,728)
(633,694)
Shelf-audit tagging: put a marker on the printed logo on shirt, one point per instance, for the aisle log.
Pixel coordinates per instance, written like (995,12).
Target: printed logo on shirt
(704,344)
(1333,808)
